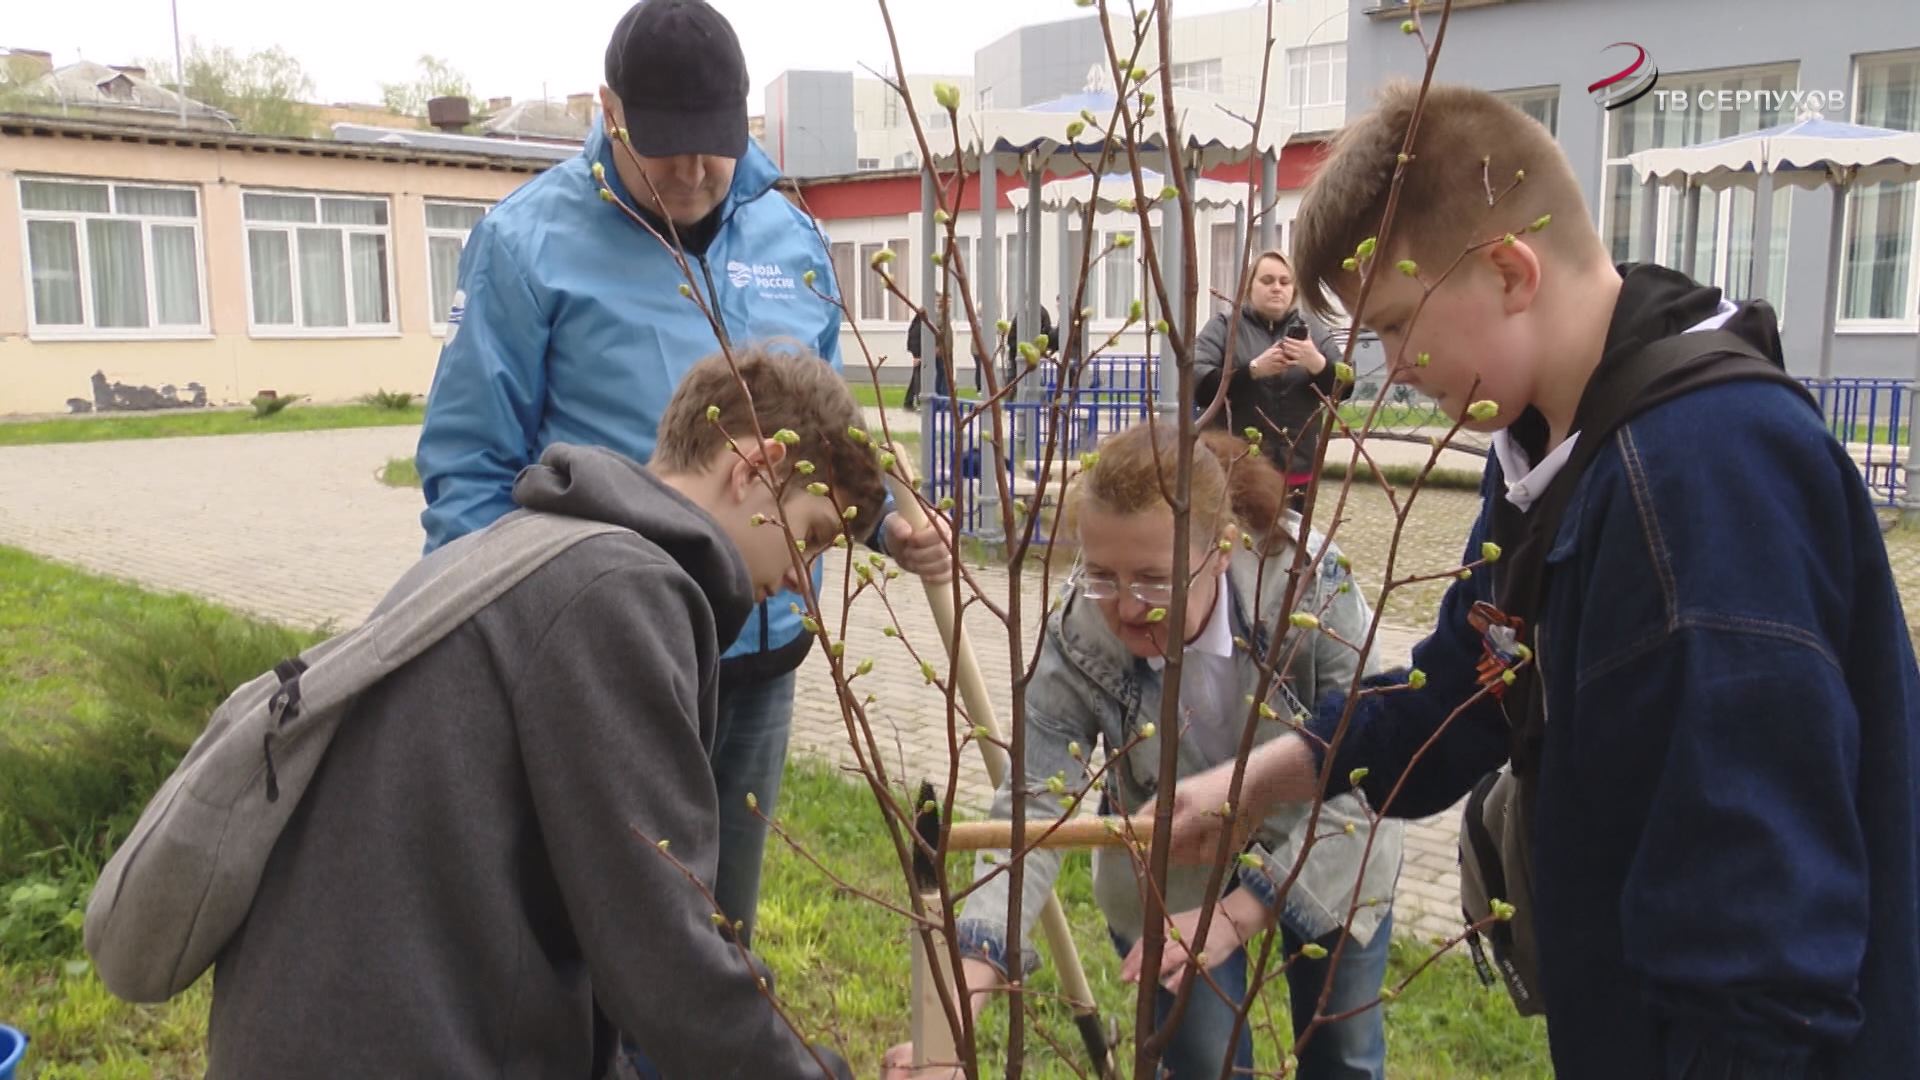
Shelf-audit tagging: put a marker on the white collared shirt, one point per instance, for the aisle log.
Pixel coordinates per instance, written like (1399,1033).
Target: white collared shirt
(1210,705)
(1533,479)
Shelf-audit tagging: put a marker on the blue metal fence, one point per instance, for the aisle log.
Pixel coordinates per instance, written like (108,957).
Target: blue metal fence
(1868,416)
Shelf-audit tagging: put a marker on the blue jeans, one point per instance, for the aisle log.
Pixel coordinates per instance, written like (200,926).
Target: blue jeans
(1353,1049)
(749,754)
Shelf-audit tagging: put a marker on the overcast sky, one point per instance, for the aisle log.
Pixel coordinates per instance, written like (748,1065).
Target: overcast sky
(350,46)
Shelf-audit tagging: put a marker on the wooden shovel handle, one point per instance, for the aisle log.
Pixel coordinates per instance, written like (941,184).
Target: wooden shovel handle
(1080,832)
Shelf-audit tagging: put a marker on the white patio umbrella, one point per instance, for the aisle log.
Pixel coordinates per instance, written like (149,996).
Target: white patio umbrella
(1809,153)
(1033,142)
(1073,192)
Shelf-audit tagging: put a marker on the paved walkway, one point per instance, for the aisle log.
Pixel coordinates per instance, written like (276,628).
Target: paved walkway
(295,527)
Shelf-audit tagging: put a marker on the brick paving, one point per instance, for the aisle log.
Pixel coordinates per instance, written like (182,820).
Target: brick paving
(295,527)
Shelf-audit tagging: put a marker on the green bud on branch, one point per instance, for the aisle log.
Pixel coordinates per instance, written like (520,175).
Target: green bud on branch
(1490,551)
(1416,678)
(1158,614)
(1483,410)
(1304,620)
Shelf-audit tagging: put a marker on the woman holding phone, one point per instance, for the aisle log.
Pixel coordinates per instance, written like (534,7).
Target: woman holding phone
(1278,366)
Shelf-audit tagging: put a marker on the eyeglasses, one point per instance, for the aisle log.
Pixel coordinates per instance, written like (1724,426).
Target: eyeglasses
(1107,587)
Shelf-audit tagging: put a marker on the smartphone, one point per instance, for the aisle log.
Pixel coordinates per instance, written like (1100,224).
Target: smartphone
(1298,331)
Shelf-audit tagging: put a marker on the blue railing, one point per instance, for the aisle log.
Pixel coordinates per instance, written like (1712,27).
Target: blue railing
(1869,416)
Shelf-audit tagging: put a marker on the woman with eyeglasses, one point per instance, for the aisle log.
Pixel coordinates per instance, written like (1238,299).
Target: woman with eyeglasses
(1098,683)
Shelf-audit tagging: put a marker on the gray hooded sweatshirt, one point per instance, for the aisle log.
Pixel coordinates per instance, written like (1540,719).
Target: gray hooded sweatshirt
(463,879)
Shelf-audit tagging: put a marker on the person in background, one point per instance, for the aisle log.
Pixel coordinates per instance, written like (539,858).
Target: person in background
(1277,367)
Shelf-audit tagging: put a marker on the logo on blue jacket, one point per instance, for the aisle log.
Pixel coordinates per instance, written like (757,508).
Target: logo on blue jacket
(770,279)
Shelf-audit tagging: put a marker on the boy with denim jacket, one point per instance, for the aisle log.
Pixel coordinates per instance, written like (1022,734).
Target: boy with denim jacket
(1725,874)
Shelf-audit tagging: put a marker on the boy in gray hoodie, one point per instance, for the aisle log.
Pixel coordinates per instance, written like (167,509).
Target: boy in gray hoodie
(466,878)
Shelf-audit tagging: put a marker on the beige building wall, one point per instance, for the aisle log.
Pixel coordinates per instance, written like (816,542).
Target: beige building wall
(232,361)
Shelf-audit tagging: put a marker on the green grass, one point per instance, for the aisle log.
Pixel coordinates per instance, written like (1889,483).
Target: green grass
(841,962)
(400,472)
(844,963)
(184,422)
(1393,416)
(892,394)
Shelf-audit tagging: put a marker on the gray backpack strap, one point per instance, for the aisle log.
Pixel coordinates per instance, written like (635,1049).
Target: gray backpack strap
(182,883)
(499,559)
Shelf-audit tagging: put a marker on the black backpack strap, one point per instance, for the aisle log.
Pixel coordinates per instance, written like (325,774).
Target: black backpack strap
(1657,373)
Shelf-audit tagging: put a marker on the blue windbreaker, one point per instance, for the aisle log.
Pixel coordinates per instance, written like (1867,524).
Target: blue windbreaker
(569,327)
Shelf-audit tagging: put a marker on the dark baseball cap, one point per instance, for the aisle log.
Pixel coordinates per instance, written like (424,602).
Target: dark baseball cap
(677,68)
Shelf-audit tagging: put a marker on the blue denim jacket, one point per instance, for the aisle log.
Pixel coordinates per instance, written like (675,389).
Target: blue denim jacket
(1726,880)
(1088,689)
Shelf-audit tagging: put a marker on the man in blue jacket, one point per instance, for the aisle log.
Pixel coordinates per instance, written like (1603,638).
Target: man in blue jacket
(1725,810)
(570,327)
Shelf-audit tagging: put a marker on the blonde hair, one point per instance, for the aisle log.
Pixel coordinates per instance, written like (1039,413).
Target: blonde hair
(1469,141)
(1229,486)
(1253,269)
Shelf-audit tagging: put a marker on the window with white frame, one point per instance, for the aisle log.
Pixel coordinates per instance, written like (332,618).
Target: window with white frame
(1317,75)
(1223,249)
(318,263)
(111,259)
(1723,251)
(1122,272)
(448,224)
(1205,76)
(1542,103)
(877,303)
(1878,281)
(867,164)
(844,276)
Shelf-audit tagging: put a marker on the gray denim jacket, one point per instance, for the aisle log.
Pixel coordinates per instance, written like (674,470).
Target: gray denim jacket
(1089,689)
